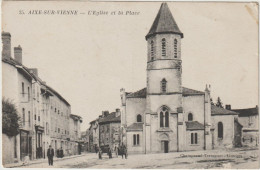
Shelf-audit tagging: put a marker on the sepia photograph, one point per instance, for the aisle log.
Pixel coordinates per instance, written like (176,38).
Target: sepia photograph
(130,85)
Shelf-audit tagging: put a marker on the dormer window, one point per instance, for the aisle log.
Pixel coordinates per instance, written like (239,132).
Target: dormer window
(175,48)
(163,85)
(163,47)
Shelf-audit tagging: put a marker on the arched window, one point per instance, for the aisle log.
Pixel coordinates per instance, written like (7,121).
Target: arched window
(163,47)
(190,117)
(220,130)
(161,119)
(139,118)
(163,85)
(175,48)
(164,117)
(152,51)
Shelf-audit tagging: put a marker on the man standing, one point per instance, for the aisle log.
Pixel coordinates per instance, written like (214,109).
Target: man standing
(124,152)
(50,154)
(61,153)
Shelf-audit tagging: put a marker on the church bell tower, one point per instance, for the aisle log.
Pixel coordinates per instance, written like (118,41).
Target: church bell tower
(164,83)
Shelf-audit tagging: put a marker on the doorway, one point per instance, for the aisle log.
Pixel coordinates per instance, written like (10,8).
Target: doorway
(165,146)
(30,148)
(24,144)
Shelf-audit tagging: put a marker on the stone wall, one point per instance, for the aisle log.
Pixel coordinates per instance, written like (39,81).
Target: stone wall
(250,138)
(200,140)
(194,105)
(249,122)
(228,130)
(131,148)
(134,107)
(8,152)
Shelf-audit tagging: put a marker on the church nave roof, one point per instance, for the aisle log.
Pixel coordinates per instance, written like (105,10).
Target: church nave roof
(143,92)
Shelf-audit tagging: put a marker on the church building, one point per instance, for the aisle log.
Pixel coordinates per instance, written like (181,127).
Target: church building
(165,116)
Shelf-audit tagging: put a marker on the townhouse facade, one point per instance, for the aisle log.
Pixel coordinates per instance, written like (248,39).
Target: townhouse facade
(44,113)
(85,141)
(93,135)
(109,129)
(249,119)
(75,134)
(105,131)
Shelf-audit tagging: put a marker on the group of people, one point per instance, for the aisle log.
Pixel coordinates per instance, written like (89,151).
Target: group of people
(50,154)
(121,150)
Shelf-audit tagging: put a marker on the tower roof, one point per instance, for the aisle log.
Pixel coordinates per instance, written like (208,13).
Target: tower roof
(164,23)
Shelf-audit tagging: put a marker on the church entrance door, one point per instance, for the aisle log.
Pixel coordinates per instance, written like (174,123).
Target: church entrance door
(165,146)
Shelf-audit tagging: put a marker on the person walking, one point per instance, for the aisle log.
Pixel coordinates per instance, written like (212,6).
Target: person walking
(61,153)
(50,154)
(109,153)
(116,151)
(100,153)
(96,149)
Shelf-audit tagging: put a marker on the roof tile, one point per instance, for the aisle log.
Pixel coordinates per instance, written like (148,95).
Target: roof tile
(247,112)
(221,111)
(135,127)
(194,125)
(142,93)
(110,118)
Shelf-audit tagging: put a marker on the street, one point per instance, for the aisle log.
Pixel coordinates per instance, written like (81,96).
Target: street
(234,158)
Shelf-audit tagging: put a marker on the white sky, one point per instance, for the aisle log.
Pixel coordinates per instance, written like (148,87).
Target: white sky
(87,59)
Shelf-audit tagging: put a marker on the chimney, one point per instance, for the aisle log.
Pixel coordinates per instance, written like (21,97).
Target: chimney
(6,49)
(118,113)
(228,107)
(106,113)
(34,71)
(18,54)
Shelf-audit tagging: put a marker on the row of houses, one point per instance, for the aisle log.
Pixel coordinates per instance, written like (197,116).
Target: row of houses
(45,115)
(104,132)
